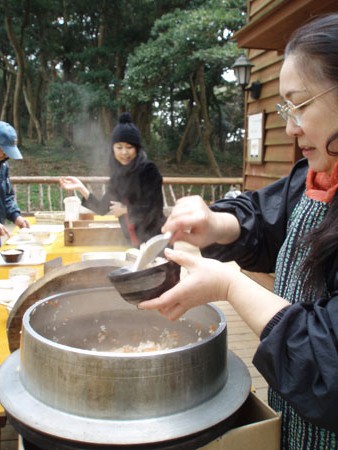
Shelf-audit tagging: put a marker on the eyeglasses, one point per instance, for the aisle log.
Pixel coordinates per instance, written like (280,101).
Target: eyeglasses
(290,111)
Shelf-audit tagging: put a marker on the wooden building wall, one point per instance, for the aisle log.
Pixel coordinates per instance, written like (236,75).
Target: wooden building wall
(279,151)
(270,23)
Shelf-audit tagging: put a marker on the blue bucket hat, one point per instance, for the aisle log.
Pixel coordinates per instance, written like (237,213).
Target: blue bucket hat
(8,140)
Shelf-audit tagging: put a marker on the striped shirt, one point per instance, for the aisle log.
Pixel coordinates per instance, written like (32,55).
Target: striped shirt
(295,285)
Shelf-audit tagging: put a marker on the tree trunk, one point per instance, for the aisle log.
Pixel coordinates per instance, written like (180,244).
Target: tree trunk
(193,119)
(31,107)
(67,64)
(105,120)
(19,76)
(141,116)
(105,114)
(206,128)
(6,100)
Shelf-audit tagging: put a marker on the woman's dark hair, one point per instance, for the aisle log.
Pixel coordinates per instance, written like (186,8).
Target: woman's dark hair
(316,47)
(317,42)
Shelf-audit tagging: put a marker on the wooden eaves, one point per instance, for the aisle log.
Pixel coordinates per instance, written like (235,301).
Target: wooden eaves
(271,28)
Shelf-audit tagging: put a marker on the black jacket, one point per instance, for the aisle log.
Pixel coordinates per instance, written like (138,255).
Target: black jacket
(141,191)
(298,353)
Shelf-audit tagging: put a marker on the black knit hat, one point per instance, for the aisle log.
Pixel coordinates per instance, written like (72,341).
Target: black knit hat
(127,131)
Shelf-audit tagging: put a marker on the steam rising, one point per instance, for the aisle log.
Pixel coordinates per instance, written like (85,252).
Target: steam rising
(90,135)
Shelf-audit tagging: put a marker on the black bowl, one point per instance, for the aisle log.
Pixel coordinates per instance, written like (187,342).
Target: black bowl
(13,255)
(135,287)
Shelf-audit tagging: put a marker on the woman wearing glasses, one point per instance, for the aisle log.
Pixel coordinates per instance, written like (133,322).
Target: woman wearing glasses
(134,192)
(290,228)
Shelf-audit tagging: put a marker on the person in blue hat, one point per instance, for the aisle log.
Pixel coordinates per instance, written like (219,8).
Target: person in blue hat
(9,209)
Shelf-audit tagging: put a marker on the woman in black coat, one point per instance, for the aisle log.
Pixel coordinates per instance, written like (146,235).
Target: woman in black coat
(134,192)
(291,228)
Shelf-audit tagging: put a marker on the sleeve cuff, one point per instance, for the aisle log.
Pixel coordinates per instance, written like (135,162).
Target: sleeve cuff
(274,321)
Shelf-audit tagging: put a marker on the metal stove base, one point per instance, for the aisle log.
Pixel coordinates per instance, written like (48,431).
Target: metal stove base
(42,425)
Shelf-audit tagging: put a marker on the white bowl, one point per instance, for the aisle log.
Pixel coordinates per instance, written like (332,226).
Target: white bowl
(40,236)
(25,234)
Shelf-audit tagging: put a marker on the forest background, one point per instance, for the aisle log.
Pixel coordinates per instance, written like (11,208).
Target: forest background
(69,68)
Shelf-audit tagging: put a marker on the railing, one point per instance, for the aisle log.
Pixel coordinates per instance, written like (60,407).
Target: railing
(45,193)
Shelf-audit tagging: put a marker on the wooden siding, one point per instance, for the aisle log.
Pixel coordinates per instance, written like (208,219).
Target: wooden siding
(278,148)
(282,153)
(270,23)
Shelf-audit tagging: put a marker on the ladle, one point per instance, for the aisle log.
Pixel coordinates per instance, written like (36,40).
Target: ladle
(152,248)
(148,252)
(139,282)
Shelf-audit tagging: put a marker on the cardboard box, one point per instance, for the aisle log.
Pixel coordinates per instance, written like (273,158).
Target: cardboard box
(257,427)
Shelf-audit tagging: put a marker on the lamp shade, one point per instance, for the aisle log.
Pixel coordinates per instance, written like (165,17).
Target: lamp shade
(242,69)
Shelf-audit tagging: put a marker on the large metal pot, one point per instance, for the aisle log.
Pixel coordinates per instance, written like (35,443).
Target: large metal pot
(73,384)
(68,361)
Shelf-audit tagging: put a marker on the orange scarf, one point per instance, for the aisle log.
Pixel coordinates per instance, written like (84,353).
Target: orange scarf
(321,186)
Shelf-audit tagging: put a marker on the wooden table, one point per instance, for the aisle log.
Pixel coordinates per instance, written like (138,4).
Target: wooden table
(68,254)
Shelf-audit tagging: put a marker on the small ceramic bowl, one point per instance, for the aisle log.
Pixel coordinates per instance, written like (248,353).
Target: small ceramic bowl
(13,255)
(135,287)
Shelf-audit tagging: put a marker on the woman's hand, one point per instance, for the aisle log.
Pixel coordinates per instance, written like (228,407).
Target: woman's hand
(192,221)
(74,184)
(118,209)
(209,280)
(206,281)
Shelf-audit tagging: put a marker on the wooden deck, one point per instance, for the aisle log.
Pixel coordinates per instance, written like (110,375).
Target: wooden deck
(241,340)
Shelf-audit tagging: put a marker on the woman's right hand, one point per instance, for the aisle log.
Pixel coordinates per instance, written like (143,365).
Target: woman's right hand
(74,184)
(192,221)
(70,183)
(205,281)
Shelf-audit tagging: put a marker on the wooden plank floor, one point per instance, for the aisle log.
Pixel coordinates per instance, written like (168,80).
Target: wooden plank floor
(241,340)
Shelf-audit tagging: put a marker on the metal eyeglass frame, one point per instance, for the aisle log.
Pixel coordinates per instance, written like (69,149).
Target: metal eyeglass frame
(287,110)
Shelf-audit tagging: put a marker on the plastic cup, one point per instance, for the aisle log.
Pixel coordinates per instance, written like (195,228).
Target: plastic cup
(72,208)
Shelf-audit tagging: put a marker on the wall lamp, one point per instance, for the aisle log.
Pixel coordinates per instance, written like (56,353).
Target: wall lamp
(242,69)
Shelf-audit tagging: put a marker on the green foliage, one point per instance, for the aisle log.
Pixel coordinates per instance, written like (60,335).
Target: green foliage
(73,103)
(87,61)
(161,71)
(179,42)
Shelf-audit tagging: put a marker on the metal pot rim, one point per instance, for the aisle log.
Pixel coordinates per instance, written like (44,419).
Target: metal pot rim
(28,313)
